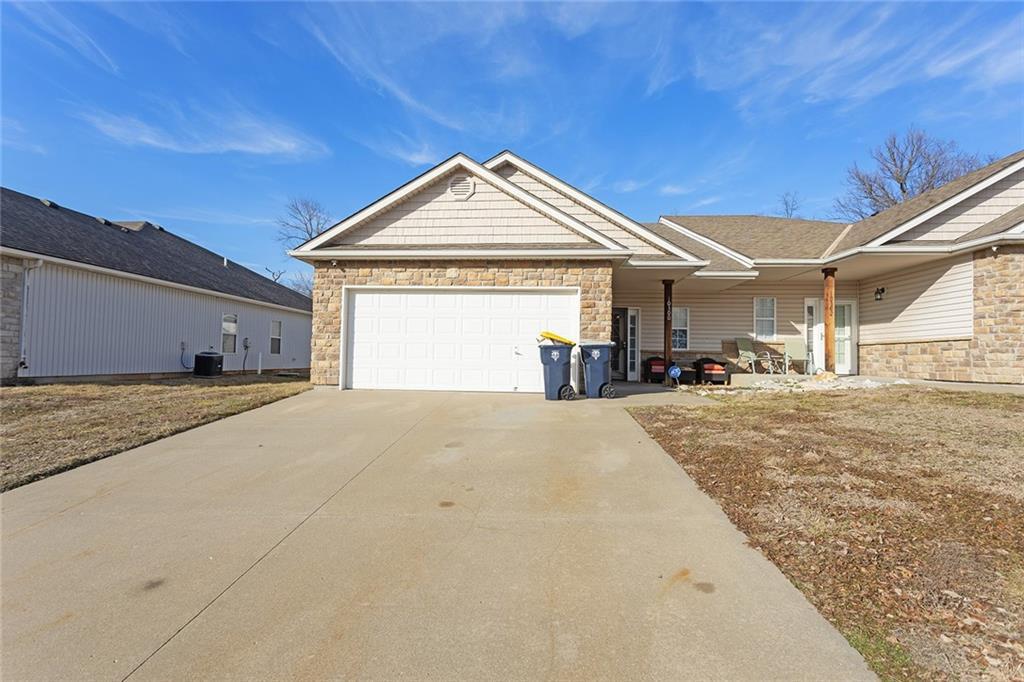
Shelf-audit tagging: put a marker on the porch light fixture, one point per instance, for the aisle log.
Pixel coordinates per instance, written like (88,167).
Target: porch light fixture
(879,293)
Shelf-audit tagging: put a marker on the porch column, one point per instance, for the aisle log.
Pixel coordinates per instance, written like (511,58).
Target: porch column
(667,284)
(829,313)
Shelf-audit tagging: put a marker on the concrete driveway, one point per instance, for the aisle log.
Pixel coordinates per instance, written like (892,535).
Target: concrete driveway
(384,535)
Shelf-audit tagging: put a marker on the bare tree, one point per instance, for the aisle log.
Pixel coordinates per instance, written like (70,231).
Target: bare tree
(275,274)
(904,167)
(302,283)
(789,204)
(303,220)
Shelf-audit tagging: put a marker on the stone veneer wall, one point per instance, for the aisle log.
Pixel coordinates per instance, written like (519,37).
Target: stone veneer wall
(994,354)
(12,272)
(594,278)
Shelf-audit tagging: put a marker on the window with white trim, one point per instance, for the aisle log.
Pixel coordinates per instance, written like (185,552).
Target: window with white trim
(680,328)
(228,333)
(275,337)
(764,318)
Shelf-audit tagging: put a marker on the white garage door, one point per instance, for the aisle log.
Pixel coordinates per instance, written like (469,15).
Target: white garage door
(453,339)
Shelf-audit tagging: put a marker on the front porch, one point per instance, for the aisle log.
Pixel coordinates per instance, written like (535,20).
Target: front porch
(684,316)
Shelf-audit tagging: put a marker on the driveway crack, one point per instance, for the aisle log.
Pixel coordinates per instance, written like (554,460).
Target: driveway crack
(284,537)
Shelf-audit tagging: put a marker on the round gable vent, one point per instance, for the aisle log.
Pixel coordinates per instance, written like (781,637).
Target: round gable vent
(461,187)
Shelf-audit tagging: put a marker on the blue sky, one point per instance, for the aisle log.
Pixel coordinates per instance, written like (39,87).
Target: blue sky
(205,118)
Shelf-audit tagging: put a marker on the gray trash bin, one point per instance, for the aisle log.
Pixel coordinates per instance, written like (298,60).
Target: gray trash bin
(556,359)
(597,363)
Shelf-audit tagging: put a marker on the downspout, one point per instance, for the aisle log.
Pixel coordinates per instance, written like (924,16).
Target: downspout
(22,344)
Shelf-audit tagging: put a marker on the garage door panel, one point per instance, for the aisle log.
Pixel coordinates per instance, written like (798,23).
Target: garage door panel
(452,339)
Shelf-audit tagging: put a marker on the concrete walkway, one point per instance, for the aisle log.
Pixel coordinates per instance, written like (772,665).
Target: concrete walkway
(379,535)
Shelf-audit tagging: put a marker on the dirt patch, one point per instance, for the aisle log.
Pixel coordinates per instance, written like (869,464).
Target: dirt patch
(899,512)
(51,428)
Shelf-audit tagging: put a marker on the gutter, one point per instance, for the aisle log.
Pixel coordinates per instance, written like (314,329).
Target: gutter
(18,253)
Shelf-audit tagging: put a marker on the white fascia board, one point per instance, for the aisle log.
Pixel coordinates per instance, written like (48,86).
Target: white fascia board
(18,253)
(640,263)
(890,250)
(478,254)
(727,274)
(948,203)
(609,214)
(782,262)
(1019,229)
(710,243)
(465,163)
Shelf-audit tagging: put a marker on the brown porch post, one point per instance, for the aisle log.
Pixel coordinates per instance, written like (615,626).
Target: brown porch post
(667,284)
(829,313)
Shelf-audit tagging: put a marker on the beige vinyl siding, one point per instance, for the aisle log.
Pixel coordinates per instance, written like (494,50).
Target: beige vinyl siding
(928,302)
(972,213)
(723,315)
(434,216)
(581,213)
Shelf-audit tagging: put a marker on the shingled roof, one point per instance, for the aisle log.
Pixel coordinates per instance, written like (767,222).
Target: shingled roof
(756,236)
(717,261)
(139,248)
(877,225)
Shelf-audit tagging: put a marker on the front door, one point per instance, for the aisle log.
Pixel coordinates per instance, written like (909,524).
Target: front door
(625,336)
(846,341)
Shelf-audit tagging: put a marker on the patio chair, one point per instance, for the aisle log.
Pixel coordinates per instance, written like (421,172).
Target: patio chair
(796,351)
(772,362)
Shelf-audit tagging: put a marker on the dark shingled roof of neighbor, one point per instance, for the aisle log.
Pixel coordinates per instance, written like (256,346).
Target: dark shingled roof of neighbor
(139,248)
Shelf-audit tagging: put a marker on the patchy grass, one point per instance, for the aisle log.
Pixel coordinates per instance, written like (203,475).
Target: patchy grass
(51,428)
(899,512)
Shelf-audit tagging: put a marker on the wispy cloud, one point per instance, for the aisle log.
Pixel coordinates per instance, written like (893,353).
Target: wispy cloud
(448,69)
(198,130)
(58,29)
(671,190)
(398,145)
(629,185)
(15,136)
(195,215)
(847,53)
(706,201)
(157,19)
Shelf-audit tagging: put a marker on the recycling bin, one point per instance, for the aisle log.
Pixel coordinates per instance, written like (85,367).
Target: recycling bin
(556,359)
(597,364)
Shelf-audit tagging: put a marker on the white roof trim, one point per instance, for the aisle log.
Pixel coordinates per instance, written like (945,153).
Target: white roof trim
(910,249)
(640,263)
(464,162)
(727,274)
(18,253)
(948,203)
(477,254)
(1019,229)
(708,242)
(609,214)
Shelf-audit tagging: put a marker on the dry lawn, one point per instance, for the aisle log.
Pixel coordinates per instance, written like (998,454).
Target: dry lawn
(48,429)
(899,512)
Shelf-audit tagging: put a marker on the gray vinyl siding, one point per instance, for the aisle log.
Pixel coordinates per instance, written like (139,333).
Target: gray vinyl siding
(928,302)
(80,322)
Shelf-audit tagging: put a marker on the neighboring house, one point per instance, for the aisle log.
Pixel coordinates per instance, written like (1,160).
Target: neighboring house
(84,296)
(445,282)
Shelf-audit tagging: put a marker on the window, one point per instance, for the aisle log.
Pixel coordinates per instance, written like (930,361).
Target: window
(764,318)
(680,328)
(228,333)
(275,337)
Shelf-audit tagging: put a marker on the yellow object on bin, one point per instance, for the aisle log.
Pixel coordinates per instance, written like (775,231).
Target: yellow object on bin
(551,336)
